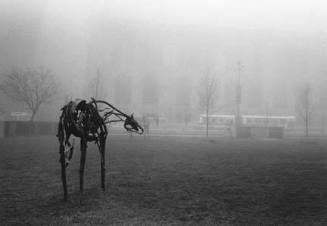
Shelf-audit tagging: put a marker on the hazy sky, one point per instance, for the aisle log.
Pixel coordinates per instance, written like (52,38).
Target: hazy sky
(286,15)
(66,25)
(290,15)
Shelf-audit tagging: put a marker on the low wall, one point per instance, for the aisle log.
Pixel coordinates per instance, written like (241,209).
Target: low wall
(2,129)
(23,128)
(260,132)
(276,132)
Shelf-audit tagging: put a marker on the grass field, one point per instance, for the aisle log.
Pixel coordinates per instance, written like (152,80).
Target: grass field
(167,180)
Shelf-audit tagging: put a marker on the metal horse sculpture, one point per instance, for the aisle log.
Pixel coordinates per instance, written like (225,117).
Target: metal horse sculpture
(88,121)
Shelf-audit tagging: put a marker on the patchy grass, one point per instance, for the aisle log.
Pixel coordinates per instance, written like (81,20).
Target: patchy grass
(163,180)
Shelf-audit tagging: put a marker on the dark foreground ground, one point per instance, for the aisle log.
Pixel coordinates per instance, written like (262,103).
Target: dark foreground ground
(164,180)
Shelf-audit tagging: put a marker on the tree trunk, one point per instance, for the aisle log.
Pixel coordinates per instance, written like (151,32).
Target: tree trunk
(33,116)
(307,124)
(307,108)
(207,121)
(34,110)
(31,126)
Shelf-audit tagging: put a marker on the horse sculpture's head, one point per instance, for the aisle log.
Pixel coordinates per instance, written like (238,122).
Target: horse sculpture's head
(132,125)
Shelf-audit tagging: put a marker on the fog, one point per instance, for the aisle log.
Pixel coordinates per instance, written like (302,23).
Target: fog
(163,112)
(149,56)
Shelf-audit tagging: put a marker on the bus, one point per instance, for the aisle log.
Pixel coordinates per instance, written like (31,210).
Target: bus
(222,120)
(287,122)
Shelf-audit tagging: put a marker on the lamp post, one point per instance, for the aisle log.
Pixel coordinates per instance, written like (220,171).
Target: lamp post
(238,121)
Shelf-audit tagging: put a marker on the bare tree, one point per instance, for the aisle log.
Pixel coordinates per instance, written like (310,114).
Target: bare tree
(208,89)
(97,83)
(94,84)
(33,87)
(305,105)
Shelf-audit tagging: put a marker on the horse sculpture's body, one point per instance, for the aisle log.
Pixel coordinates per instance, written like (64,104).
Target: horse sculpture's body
(87,121)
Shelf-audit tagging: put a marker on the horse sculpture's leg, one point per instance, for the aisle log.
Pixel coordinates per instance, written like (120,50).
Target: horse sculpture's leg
(103,166)
(63,169)
(61,135)
(82,164)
